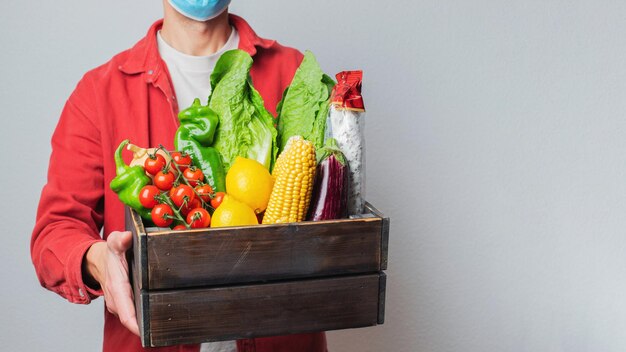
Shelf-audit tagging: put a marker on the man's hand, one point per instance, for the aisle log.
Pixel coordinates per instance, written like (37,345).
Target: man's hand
(106,263)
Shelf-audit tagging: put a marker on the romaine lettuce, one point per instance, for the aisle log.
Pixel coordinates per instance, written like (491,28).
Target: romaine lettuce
(305,103)
(245,127)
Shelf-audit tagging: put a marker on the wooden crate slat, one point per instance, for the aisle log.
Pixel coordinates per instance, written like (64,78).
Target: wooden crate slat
(258,253)
(136,265)
(382,292)
(142,310)
(224,313)
(384,244)
(139,260)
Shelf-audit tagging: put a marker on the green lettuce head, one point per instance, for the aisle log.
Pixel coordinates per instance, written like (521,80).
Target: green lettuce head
(305,104)
(245,127)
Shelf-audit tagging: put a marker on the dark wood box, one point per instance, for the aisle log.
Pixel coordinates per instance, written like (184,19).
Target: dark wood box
(240,282)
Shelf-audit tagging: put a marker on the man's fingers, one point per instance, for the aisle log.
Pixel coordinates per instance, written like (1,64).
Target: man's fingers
(120,302)
(126,313)
(110,308)
(118,293)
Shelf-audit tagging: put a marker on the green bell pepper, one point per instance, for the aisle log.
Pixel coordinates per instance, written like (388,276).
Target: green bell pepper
(195,137)
(129,182)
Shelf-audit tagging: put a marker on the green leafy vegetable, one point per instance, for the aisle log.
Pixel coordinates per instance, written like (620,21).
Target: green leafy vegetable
(305,103)
(245,127)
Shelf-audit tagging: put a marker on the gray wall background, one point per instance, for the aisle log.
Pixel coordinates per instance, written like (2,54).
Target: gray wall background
(496,140)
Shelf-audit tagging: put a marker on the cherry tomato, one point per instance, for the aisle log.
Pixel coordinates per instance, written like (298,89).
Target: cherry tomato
(164,181)
(173,189)
(182,194)
(162,215)
(183,160)
(179,228)
(195,203)
(193,175)
(205,192)
(217,199)
(146,196)
(154,164)
(198,218)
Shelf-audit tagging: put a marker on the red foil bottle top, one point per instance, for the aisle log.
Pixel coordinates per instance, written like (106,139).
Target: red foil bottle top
(347,92)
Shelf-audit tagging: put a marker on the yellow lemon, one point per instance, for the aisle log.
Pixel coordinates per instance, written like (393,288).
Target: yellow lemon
(250,182)
(233,213)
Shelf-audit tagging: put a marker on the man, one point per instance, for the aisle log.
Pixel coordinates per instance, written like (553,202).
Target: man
(137,95)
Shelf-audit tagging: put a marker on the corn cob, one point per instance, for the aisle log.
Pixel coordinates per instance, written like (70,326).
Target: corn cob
(294,173)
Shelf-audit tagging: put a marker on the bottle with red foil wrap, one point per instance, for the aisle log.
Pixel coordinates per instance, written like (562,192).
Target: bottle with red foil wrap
(346,125)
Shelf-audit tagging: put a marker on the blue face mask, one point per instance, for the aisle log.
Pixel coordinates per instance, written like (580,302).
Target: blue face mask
(200,10)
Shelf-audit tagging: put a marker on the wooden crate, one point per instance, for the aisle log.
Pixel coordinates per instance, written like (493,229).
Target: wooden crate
(240,282)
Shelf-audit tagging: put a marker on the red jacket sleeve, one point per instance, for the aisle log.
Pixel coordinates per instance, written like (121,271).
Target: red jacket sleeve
(70,213)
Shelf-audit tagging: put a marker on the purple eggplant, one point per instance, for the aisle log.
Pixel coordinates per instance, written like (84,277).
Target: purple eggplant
(330,192)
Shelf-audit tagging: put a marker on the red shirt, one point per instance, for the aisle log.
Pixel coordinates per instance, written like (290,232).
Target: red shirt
(131,96)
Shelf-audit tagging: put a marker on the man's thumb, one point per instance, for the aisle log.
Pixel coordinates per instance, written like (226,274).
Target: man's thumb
(120,241)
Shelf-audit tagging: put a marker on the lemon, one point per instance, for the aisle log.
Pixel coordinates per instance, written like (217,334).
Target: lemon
(250,182)
(233,213)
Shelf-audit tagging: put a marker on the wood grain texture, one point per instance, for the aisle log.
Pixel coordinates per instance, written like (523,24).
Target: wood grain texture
(225,313)
(264,253)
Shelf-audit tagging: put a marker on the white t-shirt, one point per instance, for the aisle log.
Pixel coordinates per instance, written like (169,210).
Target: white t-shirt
(191,78)
(191,75)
